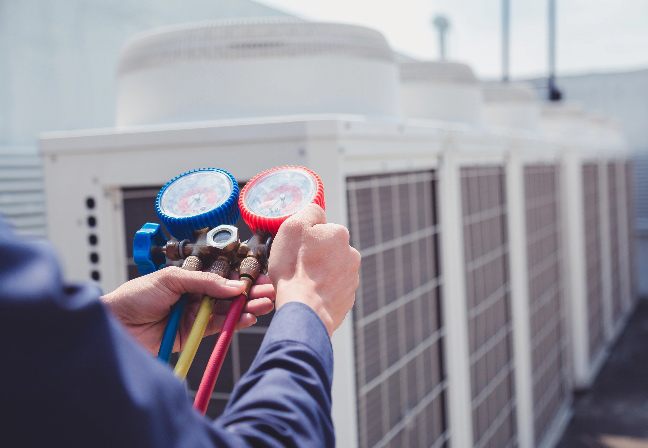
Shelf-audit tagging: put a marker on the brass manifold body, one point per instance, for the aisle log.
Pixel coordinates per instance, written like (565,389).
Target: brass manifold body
(208,248)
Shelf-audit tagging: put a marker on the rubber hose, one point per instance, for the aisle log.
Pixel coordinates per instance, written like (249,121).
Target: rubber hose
(218,355)
(195,336)
(171,330)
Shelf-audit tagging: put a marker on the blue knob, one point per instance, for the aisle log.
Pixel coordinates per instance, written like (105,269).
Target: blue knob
(205,197)
(145,238)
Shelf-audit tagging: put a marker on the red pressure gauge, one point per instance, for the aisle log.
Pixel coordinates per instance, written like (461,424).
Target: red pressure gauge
(274,195)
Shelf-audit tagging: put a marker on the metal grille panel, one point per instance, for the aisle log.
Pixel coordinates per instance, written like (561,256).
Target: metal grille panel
(397,316)
(488,303)
(591,209)
(546,307)
(139,208)
(615,258)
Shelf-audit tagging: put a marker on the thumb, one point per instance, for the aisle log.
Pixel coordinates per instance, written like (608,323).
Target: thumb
(181,281)
(308,216)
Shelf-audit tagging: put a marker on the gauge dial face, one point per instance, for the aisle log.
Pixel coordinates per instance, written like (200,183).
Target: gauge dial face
(195,194)
(280,193)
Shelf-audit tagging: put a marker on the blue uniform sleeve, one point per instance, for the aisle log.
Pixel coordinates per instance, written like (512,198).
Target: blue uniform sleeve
(71,375)
(295,358)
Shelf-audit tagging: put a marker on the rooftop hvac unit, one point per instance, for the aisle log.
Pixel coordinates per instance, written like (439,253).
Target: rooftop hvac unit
(564,122)
(440,90)
(511,106)
(614,135)
(394,354)
(596,215)
(380,181)
(596,121)
(605,133)
(255,69)
(492,221)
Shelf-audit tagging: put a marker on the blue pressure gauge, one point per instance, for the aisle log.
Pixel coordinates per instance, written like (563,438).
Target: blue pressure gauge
(206,197)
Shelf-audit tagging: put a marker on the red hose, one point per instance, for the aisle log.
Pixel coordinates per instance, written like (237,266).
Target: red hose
(218,355)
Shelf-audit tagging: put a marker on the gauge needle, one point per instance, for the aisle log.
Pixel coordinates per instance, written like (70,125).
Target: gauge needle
(191,203)
(195,199)
(282,196)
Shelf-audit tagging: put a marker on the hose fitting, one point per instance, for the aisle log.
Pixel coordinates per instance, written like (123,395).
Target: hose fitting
(249,269)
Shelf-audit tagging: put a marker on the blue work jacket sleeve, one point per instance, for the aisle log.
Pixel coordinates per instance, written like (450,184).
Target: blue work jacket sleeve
(295,360)
(71,376)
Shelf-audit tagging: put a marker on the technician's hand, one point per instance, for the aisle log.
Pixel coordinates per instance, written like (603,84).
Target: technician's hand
(311,262)
(143,304)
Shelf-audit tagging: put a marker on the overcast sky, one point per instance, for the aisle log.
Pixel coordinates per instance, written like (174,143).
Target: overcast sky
(593,35)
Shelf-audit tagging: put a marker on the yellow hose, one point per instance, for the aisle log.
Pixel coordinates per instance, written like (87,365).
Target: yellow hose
(195,336)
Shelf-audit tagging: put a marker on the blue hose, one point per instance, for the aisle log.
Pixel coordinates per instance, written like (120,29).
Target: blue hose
(168,339)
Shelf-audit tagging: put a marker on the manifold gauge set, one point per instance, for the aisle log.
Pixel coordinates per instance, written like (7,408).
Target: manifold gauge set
(199,209)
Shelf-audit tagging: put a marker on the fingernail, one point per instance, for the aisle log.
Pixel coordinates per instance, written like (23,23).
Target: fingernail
(234,283)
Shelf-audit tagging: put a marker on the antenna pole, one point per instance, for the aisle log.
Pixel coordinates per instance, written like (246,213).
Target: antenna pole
(554,93)
(506,12)
(442,48)
(441,24)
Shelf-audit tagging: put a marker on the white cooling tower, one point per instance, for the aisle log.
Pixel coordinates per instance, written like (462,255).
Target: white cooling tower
(255,69)
(604,133)
(513,106)
(440,90)
(614,135)
(596,122)
(564,122)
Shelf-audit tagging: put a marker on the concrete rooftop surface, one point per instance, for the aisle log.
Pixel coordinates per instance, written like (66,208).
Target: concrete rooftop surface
(614,412)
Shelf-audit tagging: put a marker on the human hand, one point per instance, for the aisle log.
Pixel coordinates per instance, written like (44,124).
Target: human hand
(143,304)
(311,262)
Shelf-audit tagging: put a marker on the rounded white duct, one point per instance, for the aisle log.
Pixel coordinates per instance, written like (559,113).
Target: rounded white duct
(513,106)
(604,132)
(441,90)
(596,124)
(615,135)
(573,124)
(564,122)
(255,69)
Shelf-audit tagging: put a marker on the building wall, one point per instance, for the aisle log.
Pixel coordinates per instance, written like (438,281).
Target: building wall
(58,61)
(58,58)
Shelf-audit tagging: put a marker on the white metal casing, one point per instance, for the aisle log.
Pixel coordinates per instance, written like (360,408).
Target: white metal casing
(100,163)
